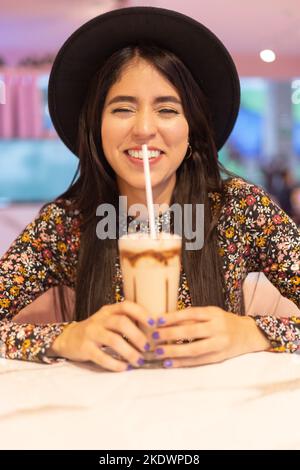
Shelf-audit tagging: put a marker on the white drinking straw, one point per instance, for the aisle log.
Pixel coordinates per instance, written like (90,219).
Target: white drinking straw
(148,190)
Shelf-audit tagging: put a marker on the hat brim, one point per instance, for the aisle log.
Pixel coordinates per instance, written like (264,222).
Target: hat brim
(90,46)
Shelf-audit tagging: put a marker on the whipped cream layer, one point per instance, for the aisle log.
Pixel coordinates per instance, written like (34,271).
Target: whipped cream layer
(142,242)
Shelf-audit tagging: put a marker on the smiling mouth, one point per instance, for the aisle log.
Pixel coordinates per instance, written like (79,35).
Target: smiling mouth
(138,154)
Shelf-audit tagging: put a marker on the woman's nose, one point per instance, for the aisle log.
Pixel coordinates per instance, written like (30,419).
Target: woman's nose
(144,125)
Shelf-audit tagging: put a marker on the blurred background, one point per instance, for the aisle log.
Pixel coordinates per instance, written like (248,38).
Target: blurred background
(263,38)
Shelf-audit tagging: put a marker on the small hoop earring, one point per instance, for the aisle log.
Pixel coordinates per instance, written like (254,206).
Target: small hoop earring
(190,152)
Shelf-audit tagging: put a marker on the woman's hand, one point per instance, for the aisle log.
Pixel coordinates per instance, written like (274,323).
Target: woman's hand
(215,335)
(82,341)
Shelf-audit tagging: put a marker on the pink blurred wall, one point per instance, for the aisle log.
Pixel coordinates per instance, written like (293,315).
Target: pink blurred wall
(252,66)
(21,116)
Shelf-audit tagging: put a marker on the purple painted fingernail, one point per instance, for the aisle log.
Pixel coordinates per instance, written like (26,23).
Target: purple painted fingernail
(141,361)
(168,363)
(130,367)
(147,347)
(151,321)
(159,351)
(161,321)
(155,335)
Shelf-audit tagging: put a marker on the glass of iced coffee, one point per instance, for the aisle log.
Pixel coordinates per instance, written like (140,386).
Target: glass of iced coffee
(151,272)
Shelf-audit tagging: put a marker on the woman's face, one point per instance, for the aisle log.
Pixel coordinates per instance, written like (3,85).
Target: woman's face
(142,107)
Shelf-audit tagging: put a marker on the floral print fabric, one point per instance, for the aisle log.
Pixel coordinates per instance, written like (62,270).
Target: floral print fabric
(254,234)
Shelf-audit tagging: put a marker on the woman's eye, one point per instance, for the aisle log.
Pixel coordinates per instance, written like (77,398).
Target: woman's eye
(161,111)
(168,110)
(121,110)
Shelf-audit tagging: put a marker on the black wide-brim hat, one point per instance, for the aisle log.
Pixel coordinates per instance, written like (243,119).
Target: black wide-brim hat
(87,49)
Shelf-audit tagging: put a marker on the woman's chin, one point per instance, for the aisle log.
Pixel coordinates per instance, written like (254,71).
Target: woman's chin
(139,182)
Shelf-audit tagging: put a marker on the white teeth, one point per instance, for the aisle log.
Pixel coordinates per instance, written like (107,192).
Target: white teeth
(139,153)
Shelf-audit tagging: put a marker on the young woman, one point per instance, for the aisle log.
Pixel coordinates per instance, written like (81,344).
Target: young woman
(126,78)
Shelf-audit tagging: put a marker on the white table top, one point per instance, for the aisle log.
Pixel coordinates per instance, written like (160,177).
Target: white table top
(249,402)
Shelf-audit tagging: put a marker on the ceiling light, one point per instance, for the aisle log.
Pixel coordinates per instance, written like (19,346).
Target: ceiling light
(267,55)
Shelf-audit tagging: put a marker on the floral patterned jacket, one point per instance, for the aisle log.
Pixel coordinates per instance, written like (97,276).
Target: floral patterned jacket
(254,234)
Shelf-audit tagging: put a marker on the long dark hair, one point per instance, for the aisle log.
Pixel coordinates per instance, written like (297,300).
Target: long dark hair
(196,177)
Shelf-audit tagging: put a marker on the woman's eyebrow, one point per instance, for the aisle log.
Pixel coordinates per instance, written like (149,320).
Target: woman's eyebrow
(133,99)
